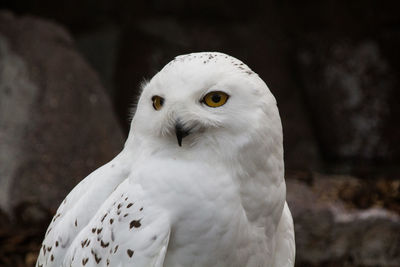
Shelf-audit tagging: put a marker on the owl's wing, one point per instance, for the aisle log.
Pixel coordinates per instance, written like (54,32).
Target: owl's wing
(127,230)
(285,250)
(79,207)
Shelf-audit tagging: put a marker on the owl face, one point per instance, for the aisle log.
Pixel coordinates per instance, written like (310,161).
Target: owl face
(201,99)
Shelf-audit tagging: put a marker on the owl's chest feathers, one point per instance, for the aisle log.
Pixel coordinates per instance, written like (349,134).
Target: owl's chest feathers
(206,205)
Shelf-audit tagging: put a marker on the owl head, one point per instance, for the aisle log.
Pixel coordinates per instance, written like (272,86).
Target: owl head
(206,100)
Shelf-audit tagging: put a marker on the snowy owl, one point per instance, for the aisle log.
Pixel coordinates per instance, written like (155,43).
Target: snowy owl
(200,181)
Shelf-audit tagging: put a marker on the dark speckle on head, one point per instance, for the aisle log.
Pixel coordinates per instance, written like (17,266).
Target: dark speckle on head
(99,230)
(85,260)
(56,243)
(52,257)
(76,222)
(115,249)
(111,221)
(93,230)
(129,205)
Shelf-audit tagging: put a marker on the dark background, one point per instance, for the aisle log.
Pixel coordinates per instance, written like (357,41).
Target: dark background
(74,69)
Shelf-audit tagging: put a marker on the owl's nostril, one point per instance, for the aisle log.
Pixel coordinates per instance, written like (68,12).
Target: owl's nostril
(181,132)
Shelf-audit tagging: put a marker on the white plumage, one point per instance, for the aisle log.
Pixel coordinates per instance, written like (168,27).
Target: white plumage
(214,197)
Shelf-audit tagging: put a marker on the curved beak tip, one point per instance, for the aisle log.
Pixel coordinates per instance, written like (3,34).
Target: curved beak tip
(180,133)
(179,140)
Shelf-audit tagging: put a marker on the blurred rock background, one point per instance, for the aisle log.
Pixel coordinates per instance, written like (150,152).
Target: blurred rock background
(70,73)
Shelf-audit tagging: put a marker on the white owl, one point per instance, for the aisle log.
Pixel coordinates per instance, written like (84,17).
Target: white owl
(200,181)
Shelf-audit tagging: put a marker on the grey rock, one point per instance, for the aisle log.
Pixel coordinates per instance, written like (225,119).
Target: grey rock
(350,88)
(56,121)
(333,232)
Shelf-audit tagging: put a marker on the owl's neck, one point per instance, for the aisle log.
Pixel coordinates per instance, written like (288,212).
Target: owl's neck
(255,165)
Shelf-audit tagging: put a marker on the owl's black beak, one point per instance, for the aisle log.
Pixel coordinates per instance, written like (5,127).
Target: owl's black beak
(181,132)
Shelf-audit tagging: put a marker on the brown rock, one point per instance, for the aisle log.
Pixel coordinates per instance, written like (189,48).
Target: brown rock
(332,231)
(56,122)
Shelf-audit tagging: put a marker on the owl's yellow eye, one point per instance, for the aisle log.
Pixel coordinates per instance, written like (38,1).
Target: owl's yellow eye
(158,102)
(215,99)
